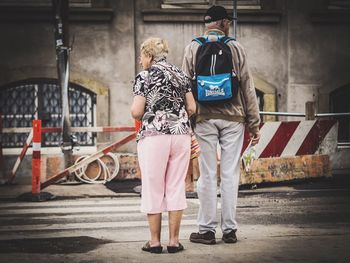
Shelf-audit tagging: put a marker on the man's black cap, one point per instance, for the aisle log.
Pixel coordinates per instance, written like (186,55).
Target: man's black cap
(216,13)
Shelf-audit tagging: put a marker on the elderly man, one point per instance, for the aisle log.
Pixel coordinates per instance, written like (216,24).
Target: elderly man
(220,121)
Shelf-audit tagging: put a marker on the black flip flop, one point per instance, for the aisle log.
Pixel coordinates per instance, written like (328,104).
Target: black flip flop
(147,247)
(175,249)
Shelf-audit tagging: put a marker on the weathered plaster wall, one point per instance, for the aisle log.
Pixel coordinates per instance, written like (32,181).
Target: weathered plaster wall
(302,60)
(106,51)
(318,57)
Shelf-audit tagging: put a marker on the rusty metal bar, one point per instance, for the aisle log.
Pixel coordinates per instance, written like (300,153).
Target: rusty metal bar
(74,129)
(21,156)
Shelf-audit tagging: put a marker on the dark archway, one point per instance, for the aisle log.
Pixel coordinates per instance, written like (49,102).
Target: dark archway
(339,102)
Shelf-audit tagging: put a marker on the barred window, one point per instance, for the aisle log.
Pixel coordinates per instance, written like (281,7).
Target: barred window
(22,102)
(38,3)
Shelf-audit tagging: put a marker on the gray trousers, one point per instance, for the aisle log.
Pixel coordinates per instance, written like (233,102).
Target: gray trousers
(229,135)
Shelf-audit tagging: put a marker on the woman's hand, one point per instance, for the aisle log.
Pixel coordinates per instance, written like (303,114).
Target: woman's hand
(190,104)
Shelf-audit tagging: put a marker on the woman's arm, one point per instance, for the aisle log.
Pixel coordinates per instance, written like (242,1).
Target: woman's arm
(190,104)
(138,107)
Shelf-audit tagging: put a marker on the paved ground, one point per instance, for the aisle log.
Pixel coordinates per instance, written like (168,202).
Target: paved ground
(304,222)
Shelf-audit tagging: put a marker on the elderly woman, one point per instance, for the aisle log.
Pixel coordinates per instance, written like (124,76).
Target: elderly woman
(163,102)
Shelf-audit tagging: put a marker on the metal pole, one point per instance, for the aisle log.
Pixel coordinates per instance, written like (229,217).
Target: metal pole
(2,166)
(61,9)
(234,24)
(337,114)
(288,114)
(295,114)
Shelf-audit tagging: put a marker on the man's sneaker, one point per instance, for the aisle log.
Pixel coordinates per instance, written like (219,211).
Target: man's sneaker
(230,237)
(207,238)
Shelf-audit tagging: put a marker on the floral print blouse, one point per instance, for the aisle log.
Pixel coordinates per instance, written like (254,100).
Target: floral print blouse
(164,86)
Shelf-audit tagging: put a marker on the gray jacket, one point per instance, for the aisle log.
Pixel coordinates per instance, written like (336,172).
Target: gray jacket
(244,108)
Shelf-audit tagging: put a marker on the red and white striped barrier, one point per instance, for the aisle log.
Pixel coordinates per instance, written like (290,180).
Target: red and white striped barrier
(21,156)
(36,157)
(49,130)
(278,139)
(281,139)
(88,160)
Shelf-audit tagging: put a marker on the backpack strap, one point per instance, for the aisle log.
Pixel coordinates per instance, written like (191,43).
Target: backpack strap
(200,40)
(226,39)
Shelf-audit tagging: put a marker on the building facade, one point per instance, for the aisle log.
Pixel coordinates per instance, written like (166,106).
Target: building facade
(298,51)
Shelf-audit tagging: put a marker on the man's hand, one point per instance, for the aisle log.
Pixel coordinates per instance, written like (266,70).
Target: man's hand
(255,137)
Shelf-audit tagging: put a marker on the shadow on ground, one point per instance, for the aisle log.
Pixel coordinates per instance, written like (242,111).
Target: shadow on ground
(124,186)
(59,245)
(334,182)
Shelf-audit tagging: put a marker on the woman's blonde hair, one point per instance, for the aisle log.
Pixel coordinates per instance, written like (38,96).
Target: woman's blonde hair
(156,48)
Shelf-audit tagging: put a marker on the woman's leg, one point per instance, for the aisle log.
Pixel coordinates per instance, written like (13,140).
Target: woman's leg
(174,227)
(155,225)
(153,155)
(175,193)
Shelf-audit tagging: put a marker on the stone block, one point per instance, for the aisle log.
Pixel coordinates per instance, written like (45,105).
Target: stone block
(129,167)
(265,170)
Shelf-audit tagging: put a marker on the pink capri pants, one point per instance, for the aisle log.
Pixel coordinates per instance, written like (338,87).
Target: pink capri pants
(163,161)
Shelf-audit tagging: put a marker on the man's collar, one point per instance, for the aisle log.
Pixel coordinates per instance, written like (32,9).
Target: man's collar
(216,31)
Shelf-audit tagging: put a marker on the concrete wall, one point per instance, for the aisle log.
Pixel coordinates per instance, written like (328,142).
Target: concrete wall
(106,52)
(318,57)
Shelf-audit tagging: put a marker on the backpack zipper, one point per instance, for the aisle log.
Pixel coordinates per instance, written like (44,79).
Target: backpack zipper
(213,64)
(211,82)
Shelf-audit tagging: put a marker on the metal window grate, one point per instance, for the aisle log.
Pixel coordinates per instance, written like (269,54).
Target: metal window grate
(40,3)
(20,103)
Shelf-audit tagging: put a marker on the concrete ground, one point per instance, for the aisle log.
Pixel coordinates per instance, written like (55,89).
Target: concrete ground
(301,222)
